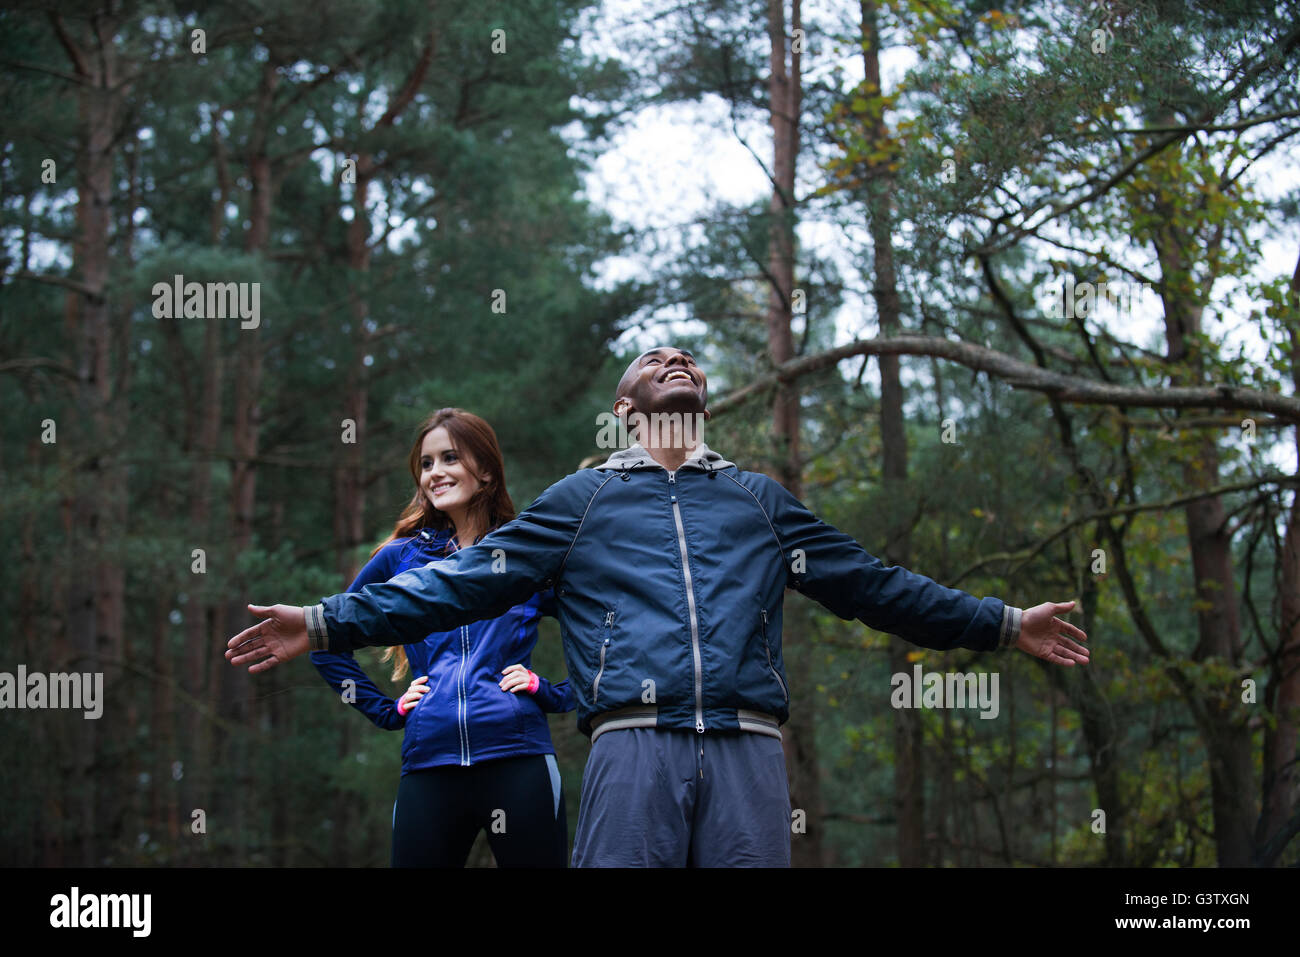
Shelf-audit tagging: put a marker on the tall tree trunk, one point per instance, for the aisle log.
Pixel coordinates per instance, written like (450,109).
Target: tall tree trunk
(1223,722)
(96,629)
(909,738)
(349,475)
(163,812)
(1281,782)
(785,94)
(238,699)
(204,675)
(1097,718)
(202,608)
(38,617)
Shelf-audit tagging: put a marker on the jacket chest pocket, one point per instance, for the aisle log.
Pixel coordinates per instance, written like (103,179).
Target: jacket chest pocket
(606,641)
(771,662)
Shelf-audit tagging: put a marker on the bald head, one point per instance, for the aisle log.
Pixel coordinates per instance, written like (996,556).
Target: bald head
(634,367)
(663,379)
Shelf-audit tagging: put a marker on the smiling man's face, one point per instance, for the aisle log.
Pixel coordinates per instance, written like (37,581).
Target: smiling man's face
(662,380)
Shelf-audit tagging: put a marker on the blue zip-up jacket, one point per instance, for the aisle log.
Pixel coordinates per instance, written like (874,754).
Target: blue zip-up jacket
(465,717)
(670,589)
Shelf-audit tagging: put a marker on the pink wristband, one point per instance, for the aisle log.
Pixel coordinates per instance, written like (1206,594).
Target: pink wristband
(534,682)
(400,710)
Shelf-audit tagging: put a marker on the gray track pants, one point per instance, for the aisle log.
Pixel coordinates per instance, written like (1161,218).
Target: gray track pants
(662,798)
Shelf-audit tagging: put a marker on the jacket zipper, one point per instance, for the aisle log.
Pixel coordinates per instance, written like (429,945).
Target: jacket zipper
(463,702)
(768,648)
(595,684)
(690,605)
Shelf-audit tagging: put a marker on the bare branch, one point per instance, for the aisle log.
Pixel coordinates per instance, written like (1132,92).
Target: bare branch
(1022,375)
(38,68)
(1223,128)
(37,362)
(70,47)
(61,281)
(1025,555)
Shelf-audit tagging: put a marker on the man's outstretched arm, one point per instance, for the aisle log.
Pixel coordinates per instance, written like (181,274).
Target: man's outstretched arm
(832,568)
(483,581)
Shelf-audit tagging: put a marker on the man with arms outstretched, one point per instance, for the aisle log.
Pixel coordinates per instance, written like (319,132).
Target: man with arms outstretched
(669,566)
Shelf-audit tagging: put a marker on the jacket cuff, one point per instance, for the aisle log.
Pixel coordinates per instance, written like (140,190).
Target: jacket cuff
(1010,631)
(316,632)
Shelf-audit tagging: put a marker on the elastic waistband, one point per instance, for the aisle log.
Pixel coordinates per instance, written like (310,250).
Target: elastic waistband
(647,716)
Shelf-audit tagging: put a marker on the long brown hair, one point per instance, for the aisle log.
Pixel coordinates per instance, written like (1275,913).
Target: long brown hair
(488,508)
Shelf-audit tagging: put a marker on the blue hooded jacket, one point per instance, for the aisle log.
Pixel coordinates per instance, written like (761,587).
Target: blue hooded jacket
(465,717)
(670,589)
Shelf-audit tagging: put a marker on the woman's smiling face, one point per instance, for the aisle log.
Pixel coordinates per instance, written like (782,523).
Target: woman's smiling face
(447,479)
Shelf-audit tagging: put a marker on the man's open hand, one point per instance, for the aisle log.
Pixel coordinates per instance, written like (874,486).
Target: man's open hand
(1045,636)
(283,635)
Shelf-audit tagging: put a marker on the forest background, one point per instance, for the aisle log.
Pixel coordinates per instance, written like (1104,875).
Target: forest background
(890,260)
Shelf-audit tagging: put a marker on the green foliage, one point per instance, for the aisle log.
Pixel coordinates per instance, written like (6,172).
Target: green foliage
(473,187)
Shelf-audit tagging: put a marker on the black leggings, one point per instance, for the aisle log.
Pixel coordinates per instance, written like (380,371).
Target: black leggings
(440,811)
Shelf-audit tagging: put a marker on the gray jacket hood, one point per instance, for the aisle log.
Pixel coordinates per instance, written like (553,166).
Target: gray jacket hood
(636,457)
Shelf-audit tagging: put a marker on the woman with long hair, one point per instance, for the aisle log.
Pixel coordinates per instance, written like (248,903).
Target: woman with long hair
(477,752)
